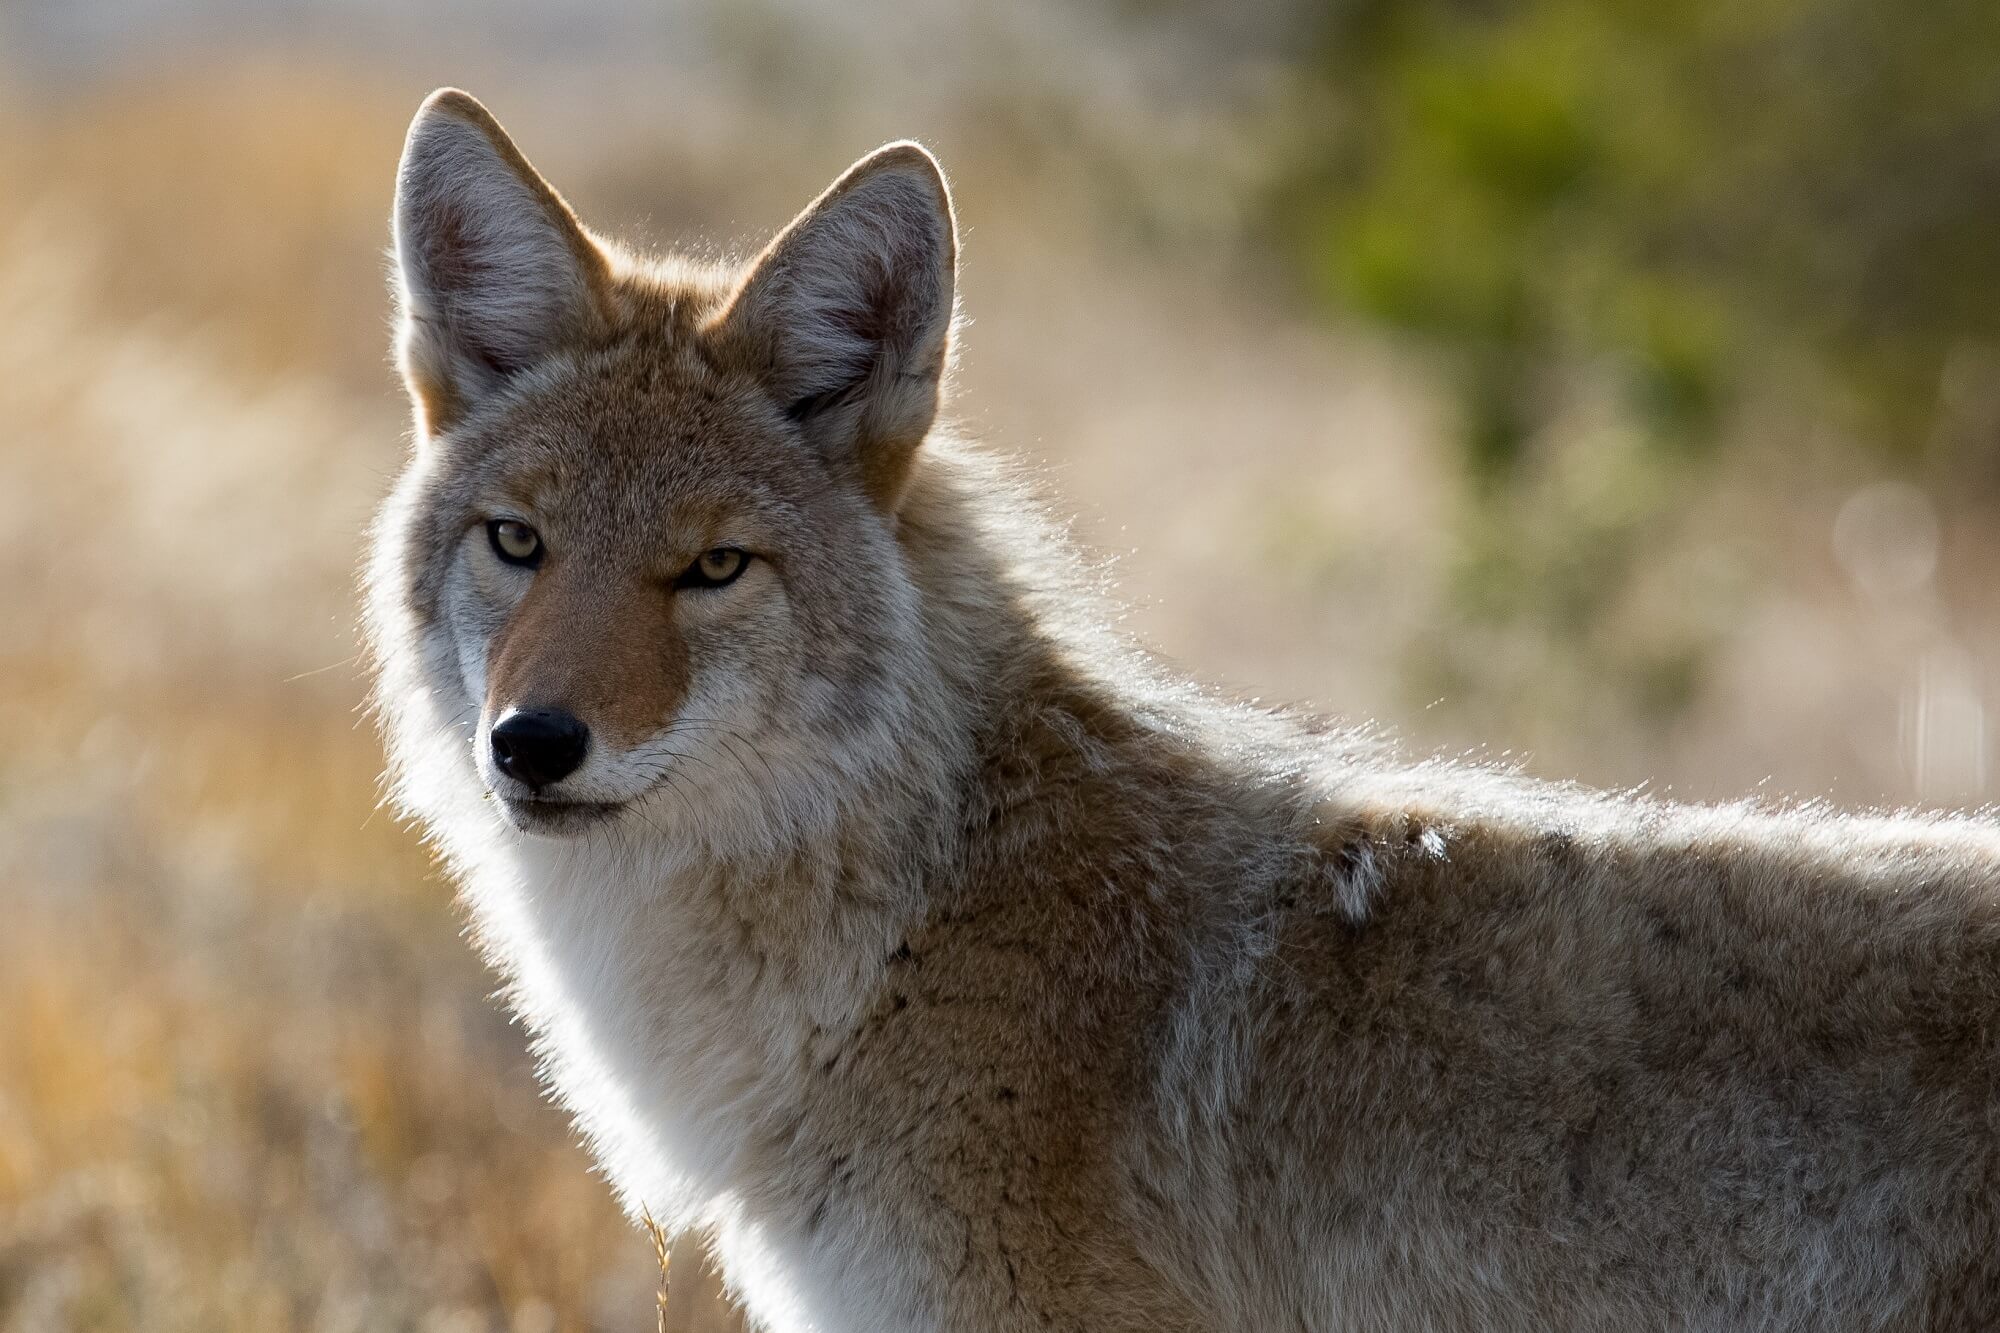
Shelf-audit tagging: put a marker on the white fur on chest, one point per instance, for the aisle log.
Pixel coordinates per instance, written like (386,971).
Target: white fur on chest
(675,1008)
(652,1024)
(683,1049)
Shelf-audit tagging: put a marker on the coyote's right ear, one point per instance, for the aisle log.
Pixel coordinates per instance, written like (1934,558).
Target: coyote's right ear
(493,270)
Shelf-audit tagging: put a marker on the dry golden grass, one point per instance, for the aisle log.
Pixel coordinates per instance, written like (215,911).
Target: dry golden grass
(252,1078)
(255,1081)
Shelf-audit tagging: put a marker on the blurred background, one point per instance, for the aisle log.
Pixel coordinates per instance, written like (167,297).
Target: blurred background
(1610,387)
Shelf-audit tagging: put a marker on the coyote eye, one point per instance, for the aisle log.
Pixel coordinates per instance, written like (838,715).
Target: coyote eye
(515,542)
(715,568)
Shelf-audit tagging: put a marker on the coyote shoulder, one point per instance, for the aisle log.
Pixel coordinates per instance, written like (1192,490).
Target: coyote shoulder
(878,911)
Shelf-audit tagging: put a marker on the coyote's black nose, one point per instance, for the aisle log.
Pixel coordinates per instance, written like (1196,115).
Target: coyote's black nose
(539,745)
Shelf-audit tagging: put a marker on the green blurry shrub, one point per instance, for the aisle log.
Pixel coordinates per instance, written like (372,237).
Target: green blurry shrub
(1687,206)
(1694,198)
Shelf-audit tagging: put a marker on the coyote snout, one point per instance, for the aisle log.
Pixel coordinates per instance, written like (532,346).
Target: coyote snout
(538,746)
(536,749)
(586,665)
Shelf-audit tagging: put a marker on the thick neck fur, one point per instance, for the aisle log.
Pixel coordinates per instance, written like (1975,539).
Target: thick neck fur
(681,968)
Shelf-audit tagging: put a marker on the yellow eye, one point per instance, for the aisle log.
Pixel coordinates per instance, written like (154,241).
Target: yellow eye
(515,542)
(714,568)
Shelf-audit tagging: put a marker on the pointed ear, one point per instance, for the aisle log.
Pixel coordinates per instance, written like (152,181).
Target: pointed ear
(493,270)
(847,315)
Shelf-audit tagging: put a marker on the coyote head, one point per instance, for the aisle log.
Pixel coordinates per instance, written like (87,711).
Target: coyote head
(644,559)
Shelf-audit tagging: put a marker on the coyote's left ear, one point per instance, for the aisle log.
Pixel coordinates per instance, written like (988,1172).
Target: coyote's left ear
(494,273)
(847,315)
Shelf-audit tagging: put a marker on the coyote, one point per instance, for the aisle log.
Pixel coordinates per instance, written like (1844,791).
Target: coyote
(879,912)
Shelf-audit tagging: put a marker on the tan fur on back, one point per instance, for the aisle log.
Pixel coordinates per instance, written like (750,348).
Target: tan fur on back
(957,970)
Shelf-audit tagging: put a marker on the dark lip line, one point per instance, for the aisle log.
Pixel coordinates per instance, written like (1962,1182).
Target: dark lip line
(555,804)
(597,811)
(560,814)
